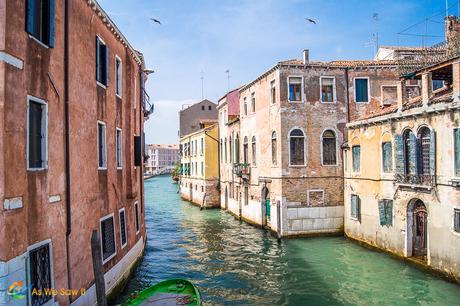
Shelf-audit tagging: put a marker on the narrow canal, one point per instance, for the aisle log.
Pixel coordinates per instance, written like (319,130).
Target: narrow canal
(233,263)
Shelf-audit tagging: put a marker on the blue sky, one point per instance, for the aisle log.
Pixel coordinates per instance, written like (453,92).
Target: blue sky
(249,36)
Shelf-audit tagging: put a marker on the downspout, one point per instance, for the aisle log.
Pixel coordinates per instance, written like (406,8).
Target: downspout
(141,133)
(67,145)
(347,99)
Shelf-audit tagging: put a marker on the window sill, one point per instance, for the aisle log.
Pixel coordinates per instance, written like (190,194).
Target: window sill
(119,168)
(297,166)
(359,103)
(38,41)
(101,85)
(328,102)
(124,245)
(336,165)
(108,258)
(118,96)
(354,219)
(296,102)
(36,169)
(101,168)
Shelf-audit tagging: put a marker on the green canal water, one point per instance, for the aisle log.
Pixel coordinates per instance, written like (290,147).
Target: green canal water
(233,263)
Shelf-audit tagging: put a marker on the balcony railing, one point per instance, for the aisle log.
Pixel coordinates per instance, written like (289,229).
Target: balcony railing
(148,106)
(416,180)
(242,170)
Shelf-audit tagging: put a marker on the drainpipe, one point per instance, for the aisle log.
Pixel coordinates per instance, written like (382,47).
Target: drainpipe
(347,99)
(67,144)
(141,133)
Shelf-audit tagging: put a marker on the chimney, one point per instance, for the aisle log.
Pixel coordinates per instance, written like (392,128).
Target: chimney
(402,99)
(306,54)
(427,87)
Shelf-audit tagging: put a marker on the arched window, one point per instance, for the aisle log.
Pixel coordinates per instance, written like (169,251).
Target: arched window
(254,151)
(245,150)
(296,148)
(425,146)
(274,147)
(225,149)
(237,148)
(230,143)
(410,151)
(329,148)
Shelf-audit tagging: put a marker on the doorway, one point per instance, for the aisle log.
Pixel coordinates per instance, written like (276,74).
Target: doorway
(265,203)
(417,222)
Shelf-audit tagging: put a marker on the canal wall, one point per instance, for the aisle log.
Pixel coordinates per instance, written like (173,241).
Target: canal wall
(201,192)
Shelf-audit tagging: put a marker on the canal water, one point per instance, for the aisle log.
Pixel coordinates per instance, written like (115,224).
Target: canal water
(233,263)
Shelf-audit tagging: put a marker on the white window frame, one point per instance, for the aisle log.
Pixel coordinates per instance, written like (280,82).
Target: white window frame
(351,215)
(118,77)
(136,217)
(97,81)
(304,148)
(302,89)
(272,85)
(314,190)
(31,248)
(119,154)
(336,146)
(112,215)
(368,89)
(453,221)
(126,232)
(44,131)
(104,161)
(334,91)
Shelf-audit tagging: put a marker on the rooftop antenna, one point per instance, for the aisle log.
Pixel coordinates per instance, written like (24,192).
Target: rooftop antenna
(375,36)
(228,80)
(202,85)
(447,8)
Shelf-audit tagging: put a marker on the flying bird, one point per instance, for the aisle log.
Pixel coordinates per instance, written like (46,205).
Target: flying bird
(155,20)
(310,20)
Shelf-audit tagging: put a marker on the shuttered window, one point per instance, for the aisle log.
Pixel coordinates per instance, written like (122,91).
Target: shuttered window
(355,207)
(119,149)
(123,236)
(457,220)
(295,89)
(329,148)
(356,156)
(102,145)
(136,217)
(107,238)
(118,76)
(386,212)
(387,157)
(138,151)
(254,151)
(361,90)
(40,20)
(102,62)
(37,134)
(296,148)
(457,152)
(274,148)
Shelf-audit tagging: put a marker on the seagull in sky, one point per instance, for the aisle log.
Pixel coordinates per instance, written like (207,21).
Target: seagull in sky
(310,20)
(155,20)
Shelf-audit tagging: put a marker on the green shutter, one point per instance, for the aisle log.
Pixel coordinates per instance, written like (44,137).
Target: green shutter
(389,212)
(358,208)
(433,153)
(457,151)
(399,155)
(413,152)
(353,206)
(382,212)
(51,24)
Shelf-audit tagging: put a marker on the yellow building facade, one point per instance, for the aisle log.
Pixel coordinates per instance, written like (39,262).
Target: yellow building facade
(199,179)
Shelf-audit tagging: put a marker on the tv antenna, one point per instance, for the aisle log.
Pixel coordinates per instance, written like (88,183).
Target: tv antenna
(228,80)
(202,85)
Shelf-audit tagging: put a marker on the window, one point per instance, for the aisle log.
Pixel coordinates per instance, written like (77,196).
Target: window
(202,146)
(40,20)
(355,207)
(254,152)
(245,105)
(362,90)
(136,217)
(425,150)
(457,220)
(295,89)
(138,154)
(356,156)
(202,107)
(410,151)
(209,107)
(386,212)
(387,157)
(274,148)
(245,150)
(37,134)
(296,148)
(272,92)
(329,149)
(327,89)
(107,238)
(221,151)
(123,236)
(230,144)
(389,95)
(345,160)
(237,149)
(119,149)
(40,273)
(253,102)
(225,150)
(202,168)
(102,62)
(437,84)
(102,145)
(246,195)
(118,76)
(457,152)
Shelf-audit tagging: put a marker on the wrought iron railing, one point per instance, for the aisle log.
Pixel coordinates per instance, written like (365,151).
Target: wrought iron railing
(148,106)
(241,169)
(416,179)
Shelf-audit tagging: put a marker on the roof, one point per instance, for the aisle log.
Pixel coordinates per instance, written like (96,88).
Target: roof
(198,103)
(164,146)
(404,48)
(341,63)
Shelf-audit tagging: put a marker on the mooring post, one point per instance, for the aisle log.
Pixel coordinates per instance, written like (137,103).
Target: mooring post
(278,216)
(97,268)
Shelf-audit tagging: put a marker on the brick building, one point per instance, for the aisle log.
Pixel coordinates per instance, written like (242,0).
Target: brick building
(72,110)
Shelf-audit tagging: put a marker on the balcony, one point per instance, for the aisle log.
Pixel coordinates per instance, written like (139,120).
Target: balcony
(148,106)
(242,170)
(416,180)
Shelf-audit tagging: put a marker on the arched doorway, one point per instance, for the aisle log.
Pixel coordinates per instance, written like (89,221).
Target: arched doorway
(417,223)
(265,203)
